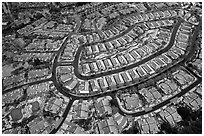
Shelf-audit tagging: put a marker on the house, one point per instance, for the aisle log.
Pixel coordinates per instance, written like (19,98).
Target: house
(109,45)
(102,47)
(183,37)
(182,45)
(94,84)
(86,68)
(148,125)
(147,94)
(89,50)
(103,83)
(172,84)
(111,81)
(141,52)
(115,43)
(166,59)
(135,54)
(86,88)
(114,30)
(132,34)
(107,126)
(172,55)
(64,69)
(168,86)
(150,16)
(94,67)
(119,80)
(66,77)
(81,111)
(108,63)
(89,38)
(153,64)
(146,49)
(147,68)
(121,121)
(101,65)
(102,106)
(183,78)
(122,60)
(140,71)
(170,114)
(95,48)
(96,37)
(126,77)
(160,62)
(128,38)
(133,74)
(193,101)
(132,101)
(115,62)
(109,33)
(71,84)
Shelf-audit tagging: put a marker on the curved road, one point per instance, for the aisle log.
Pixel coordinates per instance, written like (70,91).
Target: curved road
(160,105)
(65,91)
(78,53)
(198,81)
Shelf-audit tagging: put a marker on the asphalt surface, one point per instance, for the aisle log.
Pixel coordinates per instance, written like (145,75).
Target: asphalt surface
(63,116)
(78,53)
(65,91)
(32,83)
(160,105)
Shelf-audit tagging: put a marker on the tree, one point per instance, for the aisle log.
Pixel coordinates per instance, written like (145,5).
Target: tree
(195,124)
(186,130)
(114,109)
(132,130)
(184,112)
(135,129)
(113,102)
(168,128)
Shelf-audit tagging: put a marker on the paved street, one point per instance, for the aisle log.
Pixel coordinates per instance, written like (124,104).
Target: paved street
(61,93)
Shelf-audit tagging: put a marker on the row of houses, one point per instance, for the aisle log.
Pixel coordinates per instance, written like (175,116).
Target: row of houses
(183,36)
(150,123)
(69,52)
(132,55)
(164,5)
(103,35)
(30,28)
(188,17)
(133,101)
(49,34)
(123,59)
(111,82)
(54,26)
(34,75)
(10,97)
(83,109)
(28,56)
(13,80)
(43,45)
(148,68)
(130,102)
(146,17)
(55,105)
(146,124)
(193,100)
(127,39)
(38,89)
(183,78)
